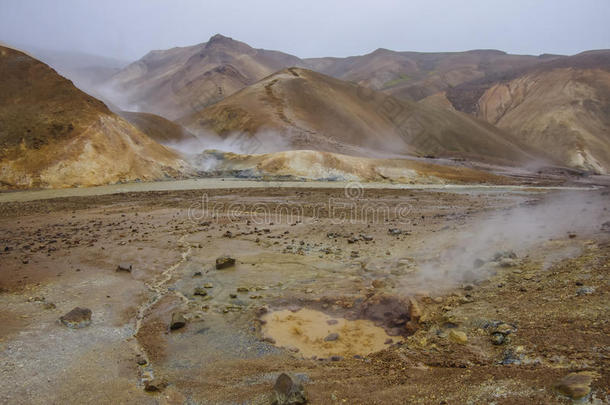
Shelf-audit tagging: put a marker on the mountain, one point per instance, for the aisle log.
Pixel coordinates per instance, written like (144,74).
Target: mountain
(309,110)
(562,107)
(416,75)
(178,81)
(54,135)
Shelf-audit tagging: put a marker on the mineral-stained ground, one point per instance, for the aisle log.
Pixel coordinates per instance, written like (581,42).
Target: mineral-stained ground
(167,326)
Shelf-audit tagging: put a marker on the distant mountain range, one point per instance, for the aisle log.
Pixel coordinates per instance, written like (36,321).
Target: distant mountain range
(554,103)
(482,106)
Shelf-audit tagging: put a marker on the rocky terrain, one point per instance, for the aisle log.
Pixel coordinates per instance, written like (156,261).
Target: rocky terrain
(172,297)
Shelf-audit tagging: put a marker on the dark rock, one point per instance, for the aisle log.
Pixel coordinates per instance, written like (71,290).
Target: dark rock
(200,291)
(178,321)
(124,267)
(394,231)
(154,386)
(224,262)
(332,337)
(77,318)
(286,392)
(336,358)
(197,274)
(366,238)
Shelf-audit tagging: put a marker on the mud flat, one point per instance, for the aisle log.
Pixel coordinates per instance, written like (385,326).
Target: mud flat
(418,321)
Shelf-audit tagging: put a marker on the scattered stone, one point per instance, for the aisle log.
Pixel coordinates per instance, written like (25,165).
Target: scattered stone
(332,337)
(585,291)
(200,291)
(512,356)
(332,322)
(208,285)
(124,267)
(197,274)
(243,289)
(224,262)
(575,385)
(336,358)
(286,392)
(498,338)
(394,231)
(352,240)
(154,386)
(458,337)
(77,318)
(178,321)
(606,226)
(232,295)
(366,238)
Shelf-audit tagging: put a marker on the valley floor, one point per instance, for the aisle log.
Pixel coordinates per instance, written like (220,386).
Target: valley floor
(352,253)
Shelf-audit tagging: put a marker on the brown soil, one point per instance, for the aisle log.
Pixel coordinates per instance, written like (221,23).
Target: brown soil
(65,252)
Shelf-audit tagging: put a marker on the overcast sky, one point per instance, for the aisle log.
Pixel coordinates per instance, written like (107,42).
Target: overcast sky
(128,29)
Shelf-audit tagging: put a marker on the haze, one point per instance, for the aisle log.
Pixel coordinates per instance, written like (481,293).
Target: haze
(128,30)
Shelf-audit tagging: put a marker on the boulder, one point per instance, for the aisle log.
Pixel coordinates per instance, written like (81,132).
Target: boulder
(77,318)
(286,392)
(224,262)
(178,321)
(458,337)
(124,267)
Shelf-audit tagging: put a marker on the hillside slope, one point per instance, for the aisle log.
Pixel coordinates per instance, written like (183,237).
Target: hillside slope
(309,110)
(157,128)
(562,107)
(54,135)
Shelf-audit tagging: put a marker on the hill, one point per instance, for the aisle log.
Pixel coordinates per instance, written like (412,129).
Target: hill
(562,106)
(309,110)
(54,135)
